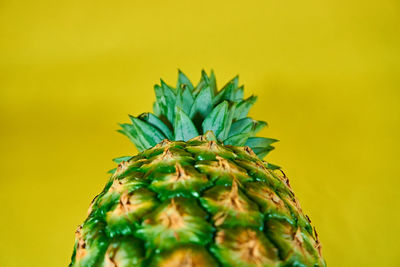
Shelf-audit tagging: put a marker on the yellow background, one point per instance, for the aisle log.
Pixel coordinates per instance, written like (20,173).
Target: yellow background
(327,76)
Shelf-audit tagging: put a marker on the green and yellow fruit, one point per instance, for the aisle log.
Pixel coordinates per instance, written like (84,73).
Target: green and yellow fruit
(198,193)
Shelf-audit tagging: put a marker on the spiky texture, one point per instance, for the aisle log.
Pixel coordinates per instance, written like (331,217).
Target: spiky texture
(198,202)
(186,111)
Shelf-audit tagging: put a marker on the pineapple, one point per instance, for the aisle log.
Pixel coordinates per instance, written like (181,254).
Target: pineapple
(198,193)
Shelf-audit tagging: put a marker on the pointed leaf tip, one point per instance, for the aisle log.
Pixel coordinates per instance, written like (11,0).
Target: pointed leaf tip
(215,121)
(183,81)
(157,123)
(186,111)
(148,135)
(121,159)
(183,126)
(202,105)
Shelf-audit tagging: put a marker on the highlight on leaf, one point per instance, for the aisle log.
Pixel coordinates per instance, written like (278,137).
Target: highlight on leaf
(187,111)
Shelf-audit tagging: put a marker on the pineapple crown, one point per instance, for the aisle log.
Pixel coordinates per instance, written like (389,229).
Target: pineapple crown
(188,111)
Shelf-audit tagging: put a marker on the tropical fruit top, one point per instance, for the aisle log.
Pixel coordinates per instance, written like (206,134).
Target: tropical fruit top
(198,193)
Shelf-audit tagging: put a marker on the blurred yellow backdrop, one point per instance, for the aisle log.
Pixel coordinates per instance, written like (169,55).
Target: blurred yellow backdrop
(327,76)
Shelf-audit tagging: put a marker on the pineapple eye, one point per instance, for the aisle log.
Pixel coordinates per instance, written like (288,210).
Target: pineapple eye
(230,207)
(176,221)
(186,181)
(188,255)
(244,247)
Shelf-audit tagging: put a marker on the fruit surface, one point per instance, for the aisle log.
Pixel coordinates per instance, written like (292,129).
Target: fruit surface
(197,200)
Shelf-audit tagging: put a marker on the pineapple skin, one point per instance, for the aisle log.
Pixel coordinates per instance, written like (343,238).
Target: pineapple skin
(196,203)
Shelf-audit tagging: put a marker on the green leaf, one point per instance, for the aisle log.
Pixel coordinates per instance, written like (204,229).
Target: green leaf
(215,121)
(204,81)
(160,99)
(184,99)
(183,126)
(244,125)
(261,145)
(227,92)
(213,83)
(235,81)
(243,107)
(238,94)
(184,82)
(157,123)
(198,109)
(224,94)
(258,126)
(261,152)
(156,109)
(148,135)
(188,100)
(170,99)
(273,166)
(228,122)
(202,105)
(254,142)
(130,131)
(121,159)
(112,171)
(237,140)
